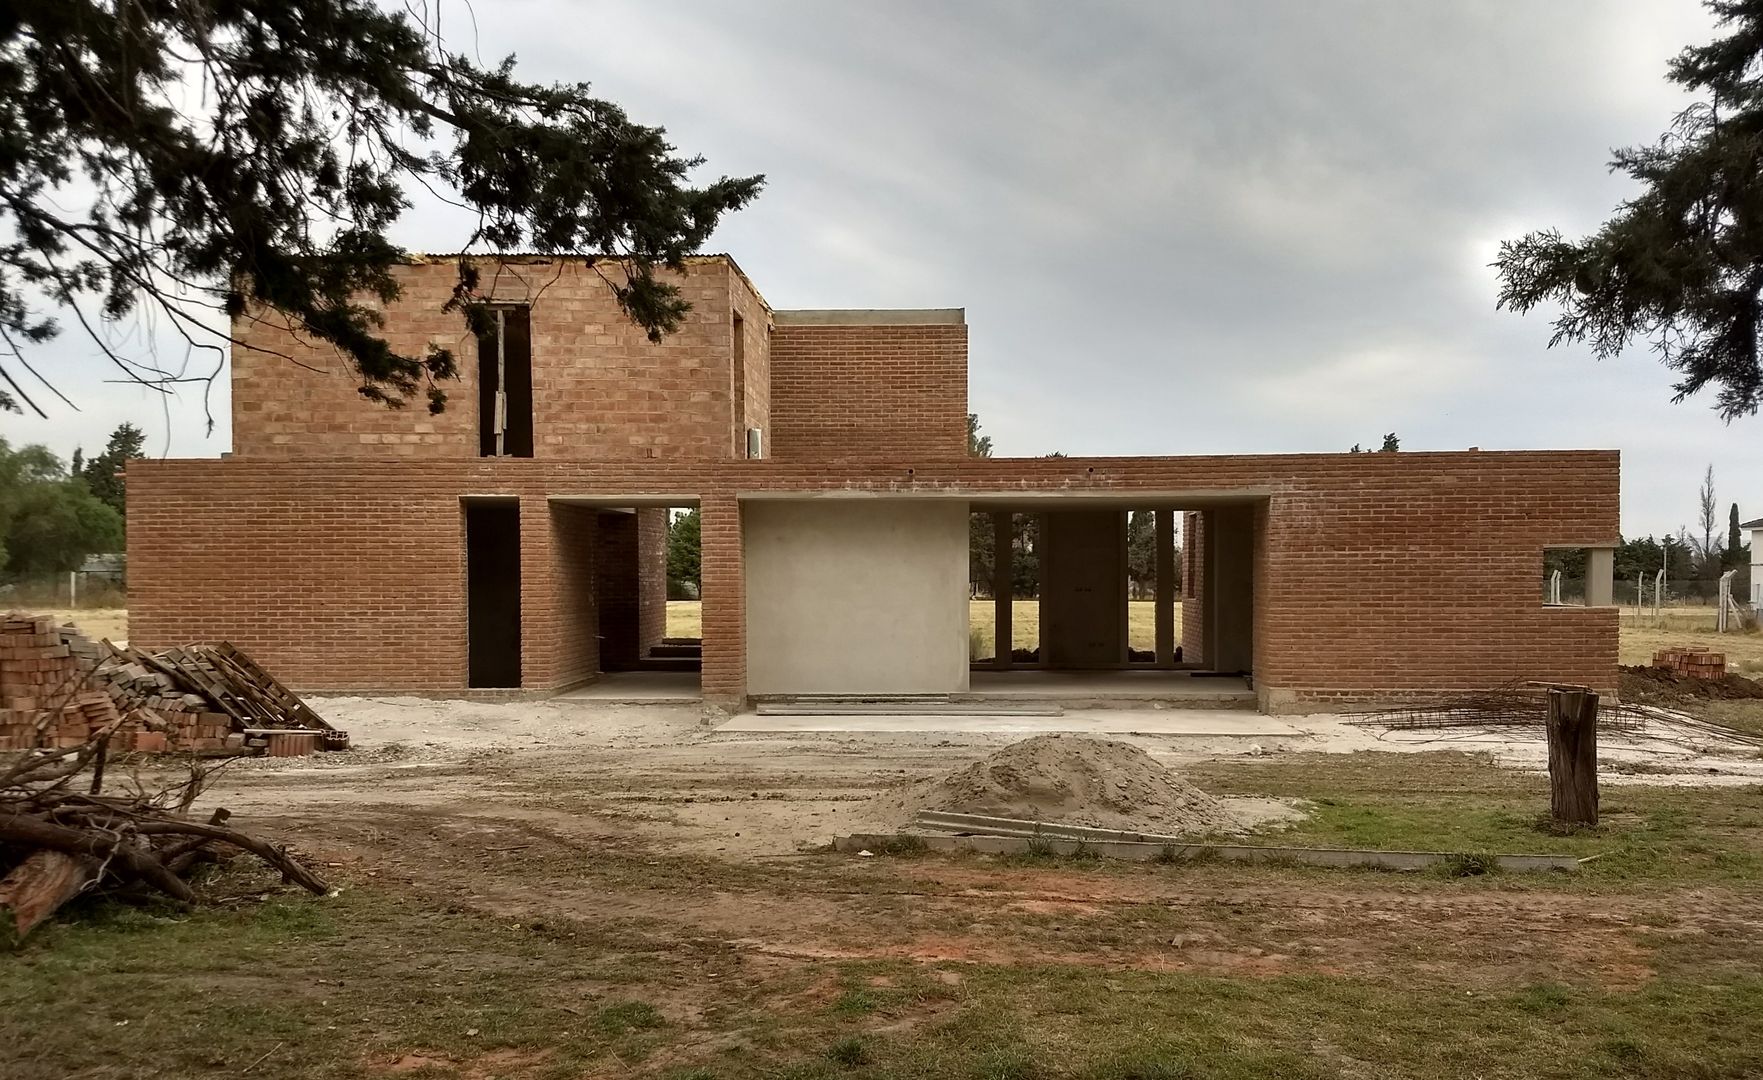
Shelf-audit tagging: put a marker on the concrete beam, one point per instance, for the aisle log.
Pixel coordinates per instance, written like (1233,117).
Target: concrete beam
(871,317)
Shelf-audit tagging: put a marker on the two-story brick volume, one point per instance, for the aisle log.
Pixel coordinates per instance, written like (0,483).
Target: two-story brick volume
(517,539)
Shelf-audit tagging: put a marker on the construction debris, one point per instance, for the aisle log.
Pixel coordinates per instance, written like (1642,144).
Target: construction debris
(57,688)
(65,704)
(1668,686)
(1068,779)
(1695,660)
(1523,705)
(58,841)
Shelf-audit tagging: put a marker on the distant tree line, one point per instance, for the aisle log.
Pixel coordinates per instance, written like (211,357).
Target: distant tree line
(53,515)
(685,550)
(1025,534)
(1692,560)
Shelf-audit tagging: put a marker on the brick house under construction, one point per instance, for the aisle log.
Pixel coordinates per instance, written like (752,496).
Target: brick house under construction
(351,547)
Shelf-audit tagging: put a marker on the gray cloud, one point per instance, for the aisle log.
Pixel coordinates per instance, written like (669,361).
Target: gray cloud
(1177,228)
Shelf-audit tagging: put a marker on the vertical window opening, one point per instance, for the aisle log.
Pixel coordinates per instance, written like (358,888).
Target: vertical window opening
(505,384)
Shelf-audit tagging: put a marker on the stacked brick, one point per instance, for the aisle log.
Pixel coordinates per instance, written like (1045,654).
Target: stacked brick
(57,689)
(1695,661)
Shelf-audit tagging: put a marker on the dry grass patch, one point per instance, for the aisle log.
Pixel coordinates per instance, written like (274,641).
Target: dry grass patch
(685,618)
(95,623)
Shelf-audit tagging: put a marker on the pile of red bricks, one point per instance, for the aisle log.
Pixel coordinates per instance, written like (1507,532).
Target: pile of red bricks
(1695,660)
(57,688)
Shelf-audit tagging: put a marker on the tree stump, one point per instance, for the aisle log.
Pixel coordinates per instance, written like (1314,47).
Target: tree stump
(1573,757)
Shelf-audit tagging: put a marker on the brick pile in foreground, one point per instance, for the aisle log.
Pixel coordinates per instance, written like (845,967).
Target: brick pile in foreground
(59,688)
(1693,660)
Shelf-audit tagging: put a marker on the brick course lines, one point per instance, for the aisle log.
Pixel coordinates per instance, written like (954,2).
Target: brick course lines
(601,389)
(1376,574)
(847,391)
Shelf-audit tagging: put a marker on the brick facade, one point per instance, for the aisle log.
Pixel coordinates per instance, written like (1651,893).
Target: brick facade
(601,389)
(1377,576)
(861,390)
(1193,588)
(332,544)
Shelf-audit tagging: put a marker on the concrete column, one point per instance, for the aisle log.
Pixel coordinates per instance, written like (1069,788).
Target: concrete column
(1230,586)
(1165,601)
(1003,566)
(1600,577)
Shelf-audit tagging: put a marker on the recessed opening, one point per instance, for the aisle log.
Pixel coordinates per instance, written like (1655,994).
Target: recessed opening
(1087,588)
(492,589)
(1578,576)
(505,383)
(629,614)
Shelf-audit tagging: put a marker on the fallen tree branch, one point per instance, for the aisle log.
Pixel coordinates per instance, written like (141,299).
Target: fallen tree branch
(269,853)
(29,831)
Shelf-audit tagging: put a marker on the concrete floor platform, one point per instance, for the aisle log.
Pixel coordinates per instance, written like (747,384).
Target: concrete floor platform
(1186,723)
(1111,689)
(637,687)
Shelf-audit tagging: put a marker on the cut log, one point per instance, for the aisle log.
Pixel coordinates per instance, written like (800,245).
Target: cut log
(39,885)
(1573,757)
(33,832)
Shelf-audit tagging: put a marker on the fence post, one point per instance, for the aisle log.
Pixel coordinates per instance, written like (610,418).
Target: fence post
(1573,757)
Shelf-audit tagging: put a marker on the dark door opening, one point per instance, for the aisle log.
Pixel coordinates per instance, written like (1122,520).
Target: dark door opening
(505,384)
(492,594)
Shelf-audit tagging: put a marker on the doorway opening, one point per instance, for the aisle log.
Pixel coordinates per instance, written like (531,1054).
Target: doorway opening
(492,594)
(628,605)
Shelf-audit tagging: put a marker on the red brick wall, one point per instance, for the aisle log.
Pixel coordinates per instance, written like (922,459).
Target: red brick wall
(576,624)
(724,610)
(601,389)
(651,577)
(753,388)
(1378,575)
(852,391)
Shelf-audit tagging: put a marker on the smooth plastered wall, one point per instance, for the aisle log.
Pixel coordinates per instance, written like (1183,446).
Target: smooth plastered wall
(856,596)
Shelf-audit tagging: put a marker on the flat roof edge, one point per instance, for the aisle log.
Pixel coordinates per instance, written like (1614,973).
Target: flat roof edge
(871,317)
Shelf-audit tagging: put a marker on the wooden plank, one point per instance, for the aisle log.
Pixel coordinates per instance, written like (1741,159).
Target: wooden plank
(290,702)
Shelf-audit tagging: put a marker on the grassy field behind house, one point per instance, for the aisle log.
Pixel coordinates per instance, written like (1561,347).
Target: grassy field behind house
(1679,627)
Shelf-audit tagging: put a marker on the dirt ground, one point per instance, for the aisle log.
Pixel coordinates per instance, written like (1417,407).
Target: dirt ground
(665,774)
(515,878)
(500,804)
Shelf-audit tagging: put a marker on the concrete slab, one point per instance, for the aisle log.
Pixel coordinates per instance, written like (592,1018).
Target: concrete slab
(1029,682)
(637,687)
(1187,723)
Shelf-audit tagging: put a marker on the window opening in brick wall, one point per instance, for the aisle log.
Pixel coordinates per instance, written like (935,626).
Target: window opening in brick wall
(505,384)
(1578,577)
(738,374)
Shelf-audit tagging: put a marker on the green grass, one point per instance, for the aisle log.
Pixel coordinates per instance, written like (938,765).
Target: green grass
(1133,978)
(345,987)
(1464,804)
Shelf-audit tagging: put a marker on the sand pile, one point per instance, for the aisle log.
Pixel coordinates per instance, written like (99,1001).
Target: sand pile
(1071,780)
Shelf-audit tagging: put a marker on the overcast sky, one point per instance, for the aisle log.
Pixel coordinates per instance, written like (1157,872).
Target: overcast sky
(1177,228)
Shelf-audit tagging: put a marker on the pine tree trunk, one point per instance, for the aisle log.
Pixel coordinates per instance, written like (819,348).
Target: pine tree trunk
(1573,757)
